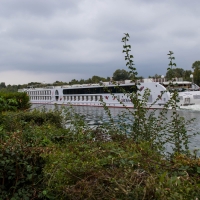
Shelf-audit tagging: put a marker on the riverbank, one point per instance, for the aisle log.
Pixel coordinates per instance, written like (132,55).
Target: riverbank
(42,159)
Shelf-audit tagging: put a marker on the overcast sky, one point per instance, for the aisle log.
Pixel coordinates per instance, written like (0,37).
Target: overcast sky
(50,40)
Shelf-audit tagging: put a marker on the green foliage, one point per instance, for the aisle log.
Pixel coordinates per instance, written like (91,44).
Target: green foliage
(155,76)
(2,85)
(177,134)
(14,101)
(196,68)
(118,168)
(176,72)
(34,84)
(187,74)
(98,79)
(113,170)
(15,121)
(94,79)
(9,104)
(143,126)
(41,117)
(10,88)
(96,167)
(23,138)
(44,160)
(20,167)
(196,65)
(130,64)
(120,75)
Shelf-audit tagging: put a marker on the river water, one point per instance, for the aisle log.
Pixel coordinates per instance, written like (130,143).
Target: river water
(97,115)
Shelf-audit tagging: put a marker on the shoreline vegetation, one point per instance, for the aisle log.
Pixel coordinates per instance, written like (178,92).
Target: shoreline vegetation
(42,159)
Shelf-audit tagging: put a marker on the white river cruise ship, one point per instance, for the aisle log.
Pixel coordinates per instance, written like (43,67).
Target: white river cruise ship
(94,94)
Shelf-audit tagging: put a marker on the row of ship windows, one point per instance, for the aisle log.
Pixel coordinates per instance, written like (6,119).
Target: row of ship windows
(46,92)
(80,98)
(39,98)
(69,98)
(194,96)
(83,98)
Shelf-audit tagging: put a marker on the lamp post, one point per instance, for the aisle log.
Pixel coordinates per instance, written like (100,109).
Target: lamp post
(162,78)
(191,76)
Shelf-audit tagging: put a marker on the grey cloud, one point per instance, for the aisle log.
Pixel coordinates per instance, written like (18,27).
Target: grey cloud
(38,8)
(84,37)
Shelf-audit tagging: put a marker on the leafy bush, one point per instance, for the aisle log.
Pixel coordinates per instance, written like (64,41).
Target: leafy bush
(43,161)
(12,121)
(20,168)
(17,100)
(113,170)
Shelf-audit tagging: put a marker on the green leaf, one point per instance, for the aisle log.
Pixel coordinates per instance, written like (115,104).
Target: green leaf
(44,192)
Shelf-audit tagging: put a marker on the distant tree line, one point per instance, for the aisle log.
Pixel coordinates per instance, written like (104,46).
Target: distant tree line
(176,73)
(185,74)
(118,75)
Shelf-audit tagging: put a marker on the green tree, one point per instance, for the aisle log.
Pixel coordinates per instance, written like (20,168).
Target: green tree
(34,83)
(97,79)
(175,73)
(120,75)
(82,81)
(187,75)
(108,79)
(74,81)
(88,81)
(155,76)
(196,64)
(196,68)
(2,85)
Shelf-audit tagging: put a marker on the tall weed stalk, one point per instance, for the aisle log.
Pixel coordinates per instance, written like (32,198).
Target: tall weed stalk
(159,127)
